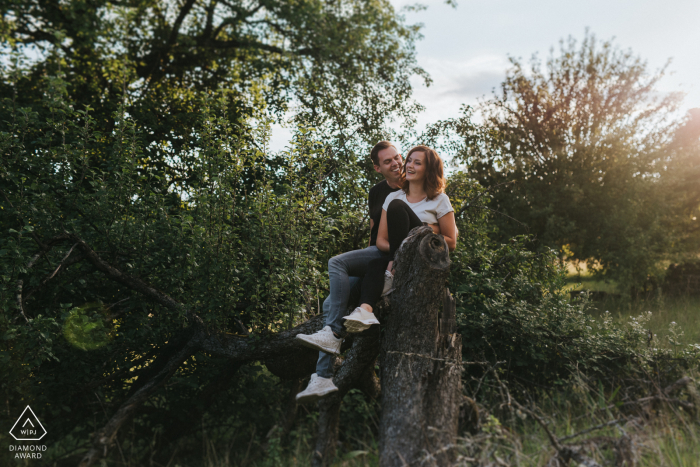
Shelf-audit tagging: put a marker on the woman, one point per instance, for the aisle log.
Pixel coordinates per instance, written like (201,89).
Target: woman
(420,201)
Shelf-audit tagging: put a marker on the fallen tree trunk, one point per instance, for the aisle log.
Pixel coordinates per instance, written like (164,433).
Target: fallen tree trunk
(261,348)
(420,358)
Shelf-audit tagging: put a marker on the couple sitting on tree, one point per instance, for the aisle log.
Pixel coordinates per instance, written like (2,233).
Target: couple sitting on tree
(410,195)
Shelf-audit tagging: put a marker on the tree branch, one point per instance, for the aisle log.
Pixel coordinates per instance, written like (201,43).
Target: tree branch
(132,282)
(178,22)
(43,249)
(258,347)
(63,264)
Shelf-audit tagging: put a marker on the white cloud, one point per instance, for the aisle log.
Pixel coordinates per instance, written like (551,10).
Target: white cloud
(465,49)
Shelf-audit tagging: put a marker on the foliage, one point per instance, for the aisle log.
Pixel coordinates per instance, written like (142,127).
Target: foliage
(683,279)
(243,246)
(512,309)
(171,182)
(583,154)
(343,65)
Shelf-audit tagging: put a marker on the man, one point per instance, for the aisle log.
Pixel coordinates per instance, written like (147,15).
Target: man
(345,272)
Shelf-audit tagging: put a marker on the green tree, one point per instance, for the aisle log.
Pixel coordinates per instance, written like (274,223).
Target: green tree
(578,153)
(88,232)
(342,65)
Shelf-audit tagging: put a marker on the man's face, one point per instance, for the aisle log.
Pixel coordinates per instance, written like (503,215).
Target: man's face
(390,163)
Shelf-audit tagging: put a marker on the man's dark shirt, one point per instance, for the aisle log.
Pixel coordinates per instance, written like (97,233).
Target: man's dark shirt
(377,195)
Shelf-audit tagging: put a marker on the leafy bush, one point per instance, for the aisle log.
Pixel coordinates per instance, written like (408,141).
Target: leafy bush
(682,279)
(512,309)
(237,236)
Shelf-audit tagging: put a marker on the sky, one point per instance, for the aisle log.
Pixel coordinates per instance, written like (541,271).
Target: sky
(465,49)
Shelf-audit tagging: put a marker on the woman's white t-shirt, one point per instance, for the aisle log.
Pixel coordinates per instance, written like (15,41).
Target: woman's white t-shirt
(427,210)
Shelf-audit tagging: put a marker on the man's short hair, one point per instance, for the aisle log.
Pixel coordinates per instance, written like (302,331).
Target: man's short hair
(380,146)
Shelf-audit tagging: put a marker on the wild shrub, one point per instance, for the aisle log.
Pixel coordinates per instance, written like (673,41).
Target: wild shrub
(514,314)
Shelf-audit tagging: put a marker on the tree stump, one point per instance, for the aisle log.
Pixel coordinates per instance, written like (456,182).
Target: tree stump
(420,358)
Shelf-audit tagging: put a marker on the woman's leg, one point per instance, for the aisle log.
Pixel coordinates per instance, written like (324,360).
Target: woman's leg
(373,283)
(400,219)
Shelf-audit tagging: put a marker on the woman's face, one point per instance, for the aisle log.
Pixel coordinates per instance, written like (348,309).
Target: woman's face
(415,167)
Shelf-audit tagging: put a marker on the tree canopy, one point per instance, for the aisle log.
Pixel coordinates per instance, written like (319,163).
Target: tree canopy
(342,65)
(581,152)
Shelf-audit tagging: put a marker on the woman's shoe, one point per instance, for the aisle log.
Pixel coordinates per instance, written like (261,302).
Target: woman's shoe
(359,320)
(388,283)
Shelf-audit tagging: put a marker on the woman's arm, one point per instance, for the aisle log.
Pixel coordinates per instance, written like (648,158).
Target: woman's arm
(448,228)
(383,234)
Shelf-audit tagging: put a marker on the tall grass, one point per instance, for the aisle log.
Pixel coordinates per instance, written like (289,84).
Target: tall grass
(673,320)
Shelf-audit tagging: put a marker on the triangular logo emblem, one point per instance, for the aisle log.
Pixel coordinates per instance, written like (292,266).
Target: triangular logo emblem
(28,427)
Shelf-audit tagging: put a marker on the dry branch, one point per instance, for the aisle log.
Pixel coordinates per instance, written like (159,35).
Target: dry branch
(129,281)
(43,249)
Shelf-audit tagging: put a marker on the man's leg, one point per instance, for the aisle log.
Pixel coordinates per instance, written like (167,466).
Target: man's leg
(345,286)
(324,365)
(340,269)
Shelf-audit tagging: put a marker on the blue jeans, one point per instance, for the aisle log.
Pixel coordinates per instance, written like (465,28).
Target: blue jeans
(345,272)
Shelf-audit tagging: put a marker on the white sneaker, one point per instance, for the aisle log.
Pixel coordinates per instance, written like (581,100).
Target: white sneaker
(323,340)
(359,320)
(318,387)
(388,283)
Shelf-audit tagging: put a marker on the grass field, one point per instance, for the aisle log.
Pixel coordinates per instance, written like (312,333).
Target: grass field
(674,319)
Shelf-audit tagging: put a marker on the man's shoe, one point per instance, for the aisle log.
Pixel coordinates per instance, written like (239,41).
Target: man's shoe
(322,340)
(359,320)
(318,387)
(388,283)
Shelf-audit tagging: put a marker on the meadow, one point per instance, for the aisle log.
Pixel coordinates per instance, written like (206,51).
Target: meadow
(674,320)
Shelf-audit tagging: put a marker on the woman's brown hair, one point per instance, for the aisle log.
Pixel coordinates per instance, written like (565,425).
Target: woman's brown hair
(434,181)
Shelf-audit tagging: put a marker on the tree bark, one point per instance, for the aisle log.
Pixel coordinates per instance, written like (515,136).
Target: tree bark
(259,348)
(420,358)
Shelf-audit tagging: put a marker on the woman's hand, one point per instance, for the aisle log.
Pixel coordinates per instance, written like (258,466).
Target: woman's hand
(383,234)
(448,228)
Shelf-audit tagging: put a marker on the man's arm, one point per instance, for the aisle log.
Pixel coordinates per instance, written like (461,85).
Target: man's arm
(371,226)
